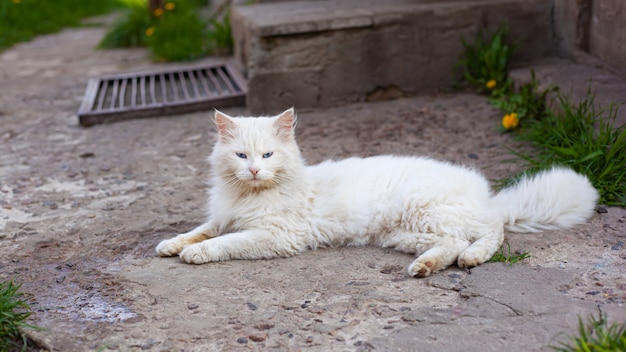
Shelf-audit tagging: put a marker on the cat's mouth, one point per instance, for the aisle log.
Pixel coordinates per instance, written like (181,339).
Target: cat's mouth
(257,182)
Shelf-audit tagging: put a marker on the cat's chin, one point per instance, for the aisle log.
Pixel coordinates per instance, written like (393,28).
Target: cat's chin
(258,184)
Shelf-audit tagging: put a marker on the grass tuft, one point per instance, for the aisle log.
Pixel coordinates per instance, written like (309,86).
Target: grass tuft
(596,336)
(14,311)
(129,30)
(174,32)
(508,257)
(485,62)
(582,137)
(179,37)
(527,102)
(220,35)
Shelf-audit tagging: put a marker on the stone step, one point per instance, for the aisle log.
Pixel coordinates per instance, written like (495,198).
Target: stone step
(325,53)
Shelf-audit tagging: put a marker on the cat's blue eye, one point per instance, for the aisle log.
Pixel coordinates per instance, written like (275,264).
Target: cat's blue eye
(242,155)
(267,155)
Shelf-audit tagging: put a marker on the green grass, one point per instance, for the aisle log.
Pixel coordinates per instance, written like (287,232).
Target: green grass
(487,59)
(596,336)
(220,35)
(175,32)
(507,256)
(180,37)
(21,20)
(14,311)
(580,136)
(527,101)
(584,138)
(130,29)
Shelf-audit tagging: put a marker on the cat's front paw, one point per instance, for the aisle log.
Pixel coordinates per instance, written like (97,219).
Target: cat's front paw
(168,248)
(423,268)
(199,253)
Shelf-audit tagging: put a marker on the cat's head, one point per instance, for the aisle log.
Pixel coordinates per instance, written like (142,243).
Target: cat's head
(255,152)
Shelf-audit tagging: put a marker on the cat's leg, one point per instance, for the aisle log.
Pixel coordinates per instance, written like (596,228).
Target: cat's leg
(175,245)
(243,245)
(437,253)
(482,249)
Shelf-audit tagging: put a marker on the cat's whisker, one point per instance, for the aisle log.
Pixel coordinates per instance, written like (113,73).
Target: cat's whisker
(229,181)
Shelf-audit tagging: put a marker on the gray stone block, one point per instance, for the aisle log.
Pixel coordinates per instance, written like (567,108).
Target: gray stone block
(325,53)
(607,33)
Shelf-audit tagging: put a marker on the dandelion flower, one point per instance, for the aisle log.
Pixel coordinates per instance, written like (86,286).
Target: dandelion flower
(149,31)
(169,6)
(491,84)
(158,12)
(510,121)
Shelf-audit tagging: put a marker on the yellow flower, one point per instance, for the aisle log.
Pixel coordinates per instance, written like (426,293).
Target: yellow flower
(510,121)
(491,83)
(169,6)
(158,12)
(17,1)
(149,31)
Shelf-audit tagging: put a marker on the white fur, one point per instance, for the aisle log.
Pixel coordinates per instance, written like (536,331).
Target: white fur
(277,206)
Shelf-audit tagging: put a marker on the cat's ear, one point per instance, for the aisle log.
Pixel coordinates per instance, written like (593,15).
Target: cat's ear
(285,124)
(225,126)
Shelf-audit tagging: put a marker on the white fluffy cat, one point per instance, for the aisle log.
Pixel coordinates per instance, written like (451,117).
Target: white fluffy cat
(265,202)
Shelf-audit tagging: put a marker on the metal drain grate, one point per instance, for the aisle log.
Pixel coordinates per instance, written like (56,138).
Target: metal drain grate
(127,96)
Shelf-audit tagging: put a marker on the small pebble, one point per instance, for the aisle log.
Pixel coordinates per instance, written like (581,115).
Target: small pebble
(357,283)
(242,340)
(264,326)
(602,210)
(257,338)
(149,344)
(49,204)
(192,306)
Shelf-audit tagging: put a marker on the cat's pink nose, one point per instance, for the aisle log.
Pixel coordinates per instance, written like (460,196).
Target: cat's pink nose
(254,171)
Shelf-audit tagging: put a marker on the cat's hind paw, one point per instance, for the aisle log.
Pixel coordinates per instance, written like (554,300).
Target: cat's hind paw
(168,248)
(199,253)
(473,256)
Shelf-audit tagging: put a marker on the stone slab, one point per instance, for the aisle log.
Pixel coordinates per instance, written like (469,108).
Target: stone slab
(607,34)
(586,28)
(349,48)
(507,308)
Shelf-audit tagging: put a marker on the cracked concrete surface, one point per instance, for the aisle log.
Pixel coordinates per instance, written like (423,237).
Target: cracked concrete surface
(81,210)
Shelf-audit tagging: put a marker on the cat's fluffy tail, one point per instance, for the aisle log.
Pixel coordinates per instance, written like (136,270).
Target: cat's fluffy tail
(552,199)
